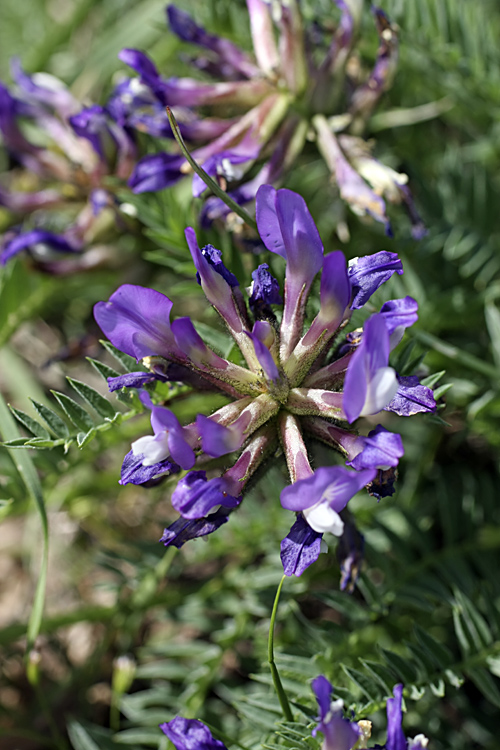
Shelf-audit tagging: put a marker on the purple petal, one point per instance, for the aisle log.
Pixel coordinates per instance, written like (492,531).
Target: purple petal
(265,291)
(162,419)
(195,496)
(182,530)
(233,59)
(334,485)
(131,380)
(216,439)
(395,737)
(217,289)
(300,548)
(147,70)
(133,471)
(156,172)
(323,690)
(369,383)
(411,398)
(190,734)
(287,228)
(262,352)
(91,123)
(44,89)
(214,257)
(136,321)
(369,272)
(399,314)
(380,450)
(36,237)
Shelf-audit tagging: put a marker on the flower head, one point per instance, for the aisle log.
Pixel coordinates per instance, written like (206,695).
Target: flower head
(293,384)
(66,174)
(291,87)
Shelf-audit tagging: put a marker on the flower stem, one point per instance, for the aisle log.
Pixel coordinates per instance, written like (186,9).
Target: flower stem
(285,706)
(209,182)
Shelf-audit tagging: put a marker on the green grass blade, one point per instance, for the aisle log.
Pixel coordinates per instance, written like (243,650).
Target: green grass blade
(24,464)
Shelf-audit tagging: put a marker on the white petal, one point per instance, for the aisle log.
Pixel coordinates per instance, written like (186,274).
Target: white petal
(153,447)
(381,389)
(322,518)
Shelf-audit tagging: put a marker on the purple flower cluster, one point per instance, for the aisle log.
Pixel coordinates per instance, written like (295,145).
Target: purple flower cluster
(296,382)
(300,85)
(338,732)
(63,177)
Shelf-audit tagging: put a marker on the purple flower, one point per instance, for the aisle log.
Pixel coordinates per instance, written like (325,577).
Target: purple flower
(323,495)
(379,450)
(135,471)
(341,734)
(370,383)
(264,292)
(214,257)
(275,397)
(38,239)
(338,733)
(183,530)
(411,397)
(170,439)
(195,496)
(156,172)
(300,548)
(399,314)
(190,734)
(266,92)
(368,273)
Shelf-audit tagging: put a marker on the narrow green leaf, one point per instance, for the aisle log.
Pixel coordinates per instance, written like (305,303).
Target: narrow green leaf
(16,443)
(367,685)
(431,381)
(24,464)
(129,363)
(43,443)
(100,404)
(80,738)
(29,423)
(103,370)
(51,419)
(384,676)
(401,666)
(73,411)
(85,437)
(442,390)
(441,656)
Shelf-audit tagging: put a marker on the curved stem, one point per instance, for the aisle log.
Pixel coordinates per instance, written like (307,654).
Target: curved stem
(285,706)
(209,182)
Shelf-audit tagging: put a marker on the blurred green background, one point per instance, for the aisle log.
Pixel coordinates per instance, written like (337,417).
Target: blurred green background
(195,624)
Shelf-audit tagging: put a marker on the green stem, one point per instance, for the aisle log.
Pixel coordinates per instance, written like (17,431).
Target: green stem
(209,182)
(285,706)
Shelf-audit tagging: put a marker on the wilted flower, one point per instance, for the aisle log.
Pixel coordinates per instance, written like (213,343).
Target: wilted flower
(308,85)
(342,734)
(55,188)
(288,388)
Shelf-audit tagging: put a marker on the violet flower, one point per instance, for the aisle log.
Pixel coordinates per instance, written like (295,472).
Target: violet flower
(340,733)
(190,734)
(290,388)
(294,85)
(81,147)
